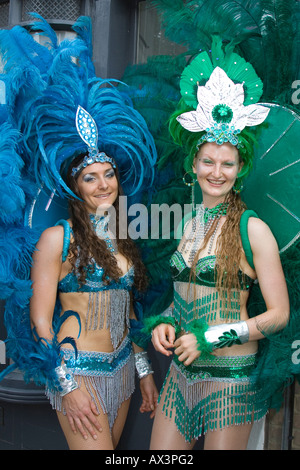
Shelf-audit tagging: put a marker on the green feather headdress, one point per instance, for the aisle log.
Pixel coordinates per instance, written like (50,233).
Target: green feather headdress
(219,95)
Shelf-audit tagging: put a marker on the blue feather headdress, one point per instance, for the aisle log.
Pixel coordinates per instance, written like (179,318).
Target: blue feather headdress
(46,84)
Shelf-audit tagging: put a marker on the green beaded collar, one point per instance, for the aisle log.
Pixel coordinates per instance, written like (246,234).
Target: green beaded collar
(218,210)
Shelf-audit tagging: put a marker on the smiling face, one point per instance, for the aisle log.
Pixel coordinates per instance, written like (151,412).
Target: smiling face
(216,167)
(98,186)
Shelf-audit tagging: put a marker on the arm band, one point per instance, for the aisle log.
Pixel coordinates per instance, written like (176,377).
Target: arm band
(142,364)
(220,336)
(65,380)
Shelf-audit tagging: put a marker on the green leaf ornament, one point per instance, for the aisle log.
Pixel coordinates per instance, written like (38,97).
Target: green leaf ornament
(227,339)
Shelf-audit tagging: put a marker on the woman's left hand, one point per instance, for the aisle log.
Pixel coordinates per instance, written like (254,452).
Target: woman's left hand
(149,395)
(186,348)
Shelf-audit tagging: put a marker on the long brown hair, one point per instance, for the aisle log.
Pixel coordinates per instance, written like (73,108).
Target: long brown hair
(86,244)
(229,248)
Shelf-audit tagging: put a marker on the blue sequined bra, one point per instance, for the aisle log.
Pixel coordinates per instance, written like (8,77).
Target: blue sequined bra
(94,281)
(108,304)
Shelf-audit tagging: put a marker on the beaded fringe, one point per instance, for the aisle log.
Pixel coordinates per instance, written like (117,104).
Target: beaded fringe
(107,309)
(109,392)
(198,405)
(197,301)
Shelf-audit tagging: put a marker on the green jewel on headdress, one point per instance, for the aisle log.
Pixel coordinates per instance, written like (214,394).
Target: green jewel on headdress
(222,113)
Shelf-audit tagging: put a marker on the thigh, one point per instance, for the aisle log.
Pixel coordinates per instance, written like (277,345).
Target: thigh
(106,439)
(77,442)
(229,438)
(165,434)
(119,423)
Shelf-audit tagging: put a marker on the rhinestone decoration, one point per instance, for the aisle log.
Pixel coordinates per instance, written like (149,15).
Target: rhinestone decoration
(87,129)
(220,111)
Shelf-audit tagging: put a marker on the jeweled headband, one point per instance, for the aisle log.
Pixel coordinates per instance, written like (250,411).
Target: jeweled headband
(87,129)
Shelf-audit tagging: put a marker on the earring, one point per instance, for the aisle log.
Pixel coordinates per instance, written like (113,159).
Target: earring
(238,186)
(191,184)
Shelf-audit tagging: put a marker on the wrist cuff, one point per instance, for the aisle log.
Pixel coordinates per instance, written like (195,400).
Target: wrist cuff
(199,328)
(142,364)
(65,380)
(226,335)
(152,322)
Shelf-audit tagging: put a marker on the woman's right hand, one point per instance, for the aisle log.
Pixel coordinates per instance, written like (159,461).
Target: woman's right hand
(163,337)
(81,412)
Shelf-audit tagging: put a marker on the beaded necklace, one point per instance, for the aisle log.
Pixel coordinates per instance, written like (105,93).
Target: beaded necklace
(210,214)
(100,225)
(201,225)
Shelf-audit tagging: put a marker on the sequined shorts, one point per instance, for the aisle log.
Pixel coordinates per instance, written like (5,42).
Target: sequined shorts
(108,377)
(211,394)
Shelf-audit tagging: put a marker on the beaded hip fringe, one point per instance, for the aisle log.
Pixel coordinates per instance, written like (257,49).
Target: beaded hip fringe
(108,377)
(211,395)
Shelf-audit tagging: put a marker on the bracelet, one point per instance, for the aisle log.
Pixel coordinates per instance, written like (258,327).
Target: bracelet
(221,336)
(199,329)
(165,317)
(142,364)
(168,312)
(65,379)
(153,322)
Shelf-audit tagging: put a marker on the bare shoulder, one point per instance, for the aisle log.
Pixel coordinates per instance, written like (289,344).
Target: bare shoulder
(260,234)
(53,234)
(51,240)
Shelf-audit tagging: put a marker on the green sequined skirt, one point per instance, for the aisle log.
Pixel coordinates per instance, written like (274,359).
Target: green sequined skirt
(211,394)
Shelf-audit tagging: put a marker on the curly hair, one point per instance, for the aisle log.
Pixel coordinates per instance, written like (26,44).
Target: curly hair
(87,245)
(229,248)
(229,245)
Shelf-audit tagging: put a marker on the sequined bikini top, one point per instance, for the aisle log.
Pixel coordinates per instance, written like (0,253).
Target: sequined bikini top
(108,304)
(94,281)
(204,271)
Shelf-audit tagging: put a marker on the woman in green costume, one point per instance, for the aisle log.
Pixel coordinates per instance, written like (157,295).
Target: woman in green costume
(210,387)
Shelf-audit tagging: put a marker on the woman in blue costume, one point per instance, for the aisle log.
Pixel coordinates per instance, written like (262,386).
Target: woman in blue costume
(75,330)
(210,388)
(94,272)
(95,277)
